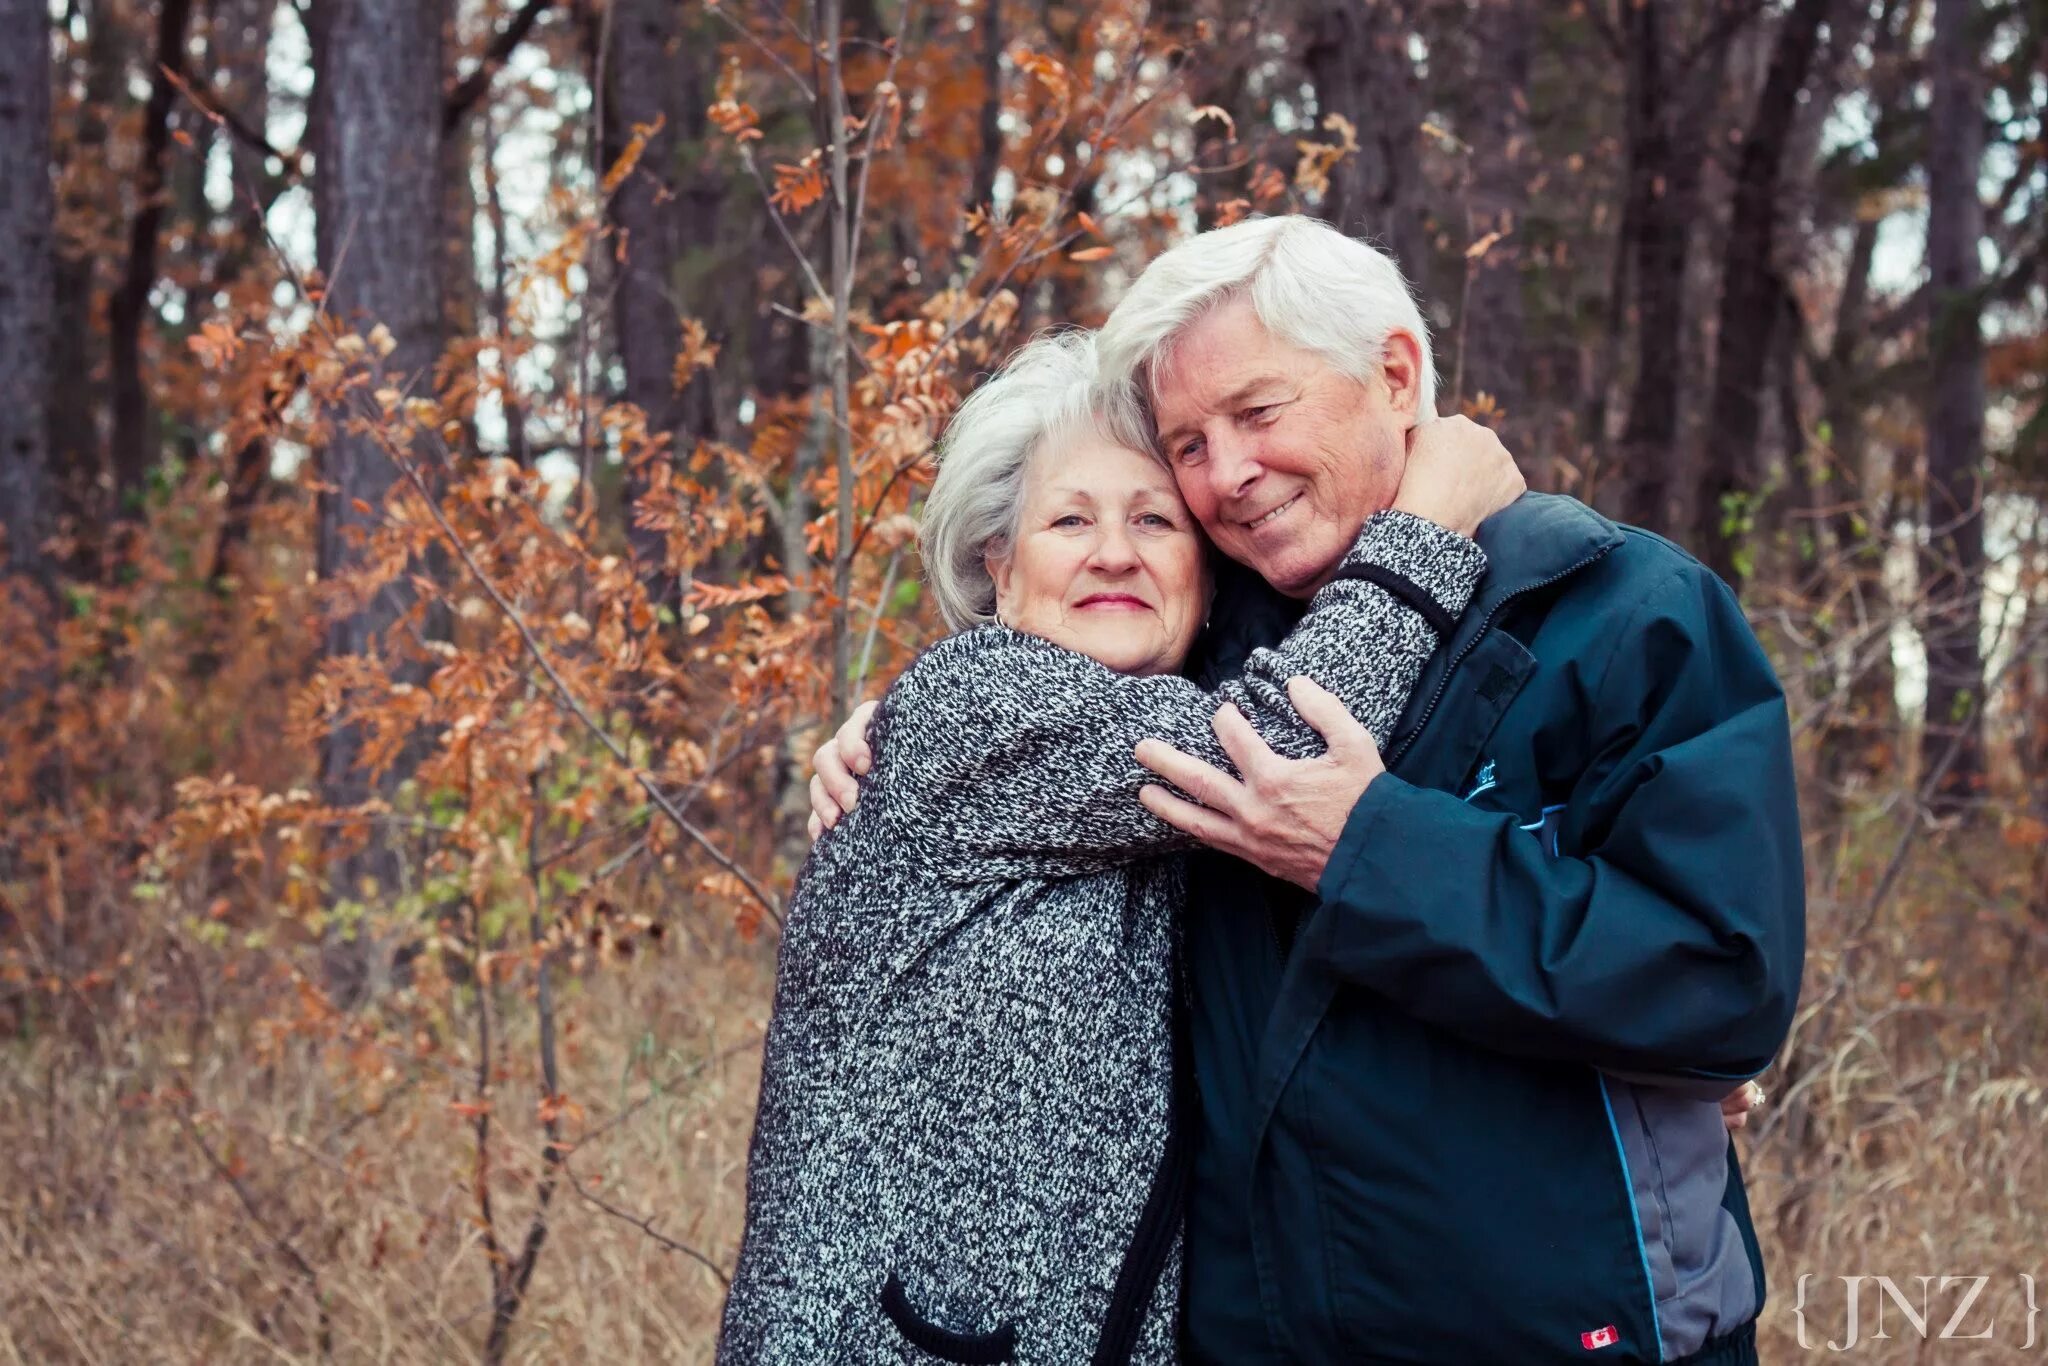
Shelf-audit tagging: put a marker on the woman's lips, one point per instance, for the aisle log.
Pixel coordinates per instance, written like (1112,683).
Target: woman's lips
(1114,602)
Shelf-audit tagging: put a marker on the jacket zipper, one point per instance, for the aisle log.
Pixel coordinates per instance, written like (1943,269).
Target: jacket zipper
(1444,683)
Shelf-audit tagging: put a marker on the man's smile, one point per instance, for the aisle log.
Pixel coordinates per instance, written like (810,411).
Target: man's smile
(1267,516)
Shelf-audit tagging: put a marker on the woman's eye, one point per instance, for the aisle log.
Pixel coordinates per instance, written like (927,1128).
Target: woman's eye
(1153,519)
(1072,519)
(1191,450)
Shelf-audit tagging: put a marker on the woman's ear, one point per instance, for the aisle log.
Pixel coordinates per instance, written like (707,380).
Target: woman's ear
(1401,372)
(998,565)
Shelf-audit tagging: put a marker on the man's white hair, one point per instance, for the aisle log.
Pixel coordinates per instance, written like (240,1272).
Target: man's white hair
(1044,394)
(1308,284)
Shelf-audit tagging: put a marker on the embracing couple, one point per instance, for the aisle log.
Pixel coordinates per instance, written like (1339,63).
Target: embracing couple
(1315,908)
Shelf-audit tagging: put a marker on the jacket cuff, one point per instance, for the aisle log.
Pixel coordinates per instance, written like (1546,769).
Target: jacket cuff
(1441,563)
(1356,842)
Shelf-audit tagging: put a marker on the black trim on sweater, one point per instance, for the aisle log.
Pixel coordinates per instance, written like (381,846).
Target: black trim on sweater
(970,1349)
(1158,1223)
(1407,592)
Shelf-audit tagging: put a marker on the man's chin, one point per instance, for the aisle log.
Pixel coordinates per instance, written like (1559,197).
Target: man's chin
(1294,576)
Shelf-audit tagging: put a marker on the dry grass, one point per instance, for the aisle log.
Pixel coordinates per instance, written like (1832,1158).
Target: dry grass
(1908,1136)
(124,1242)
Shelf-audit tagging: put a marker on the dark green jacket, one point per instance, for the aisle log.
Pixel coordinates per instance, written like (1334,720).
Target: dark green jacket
(1583,864)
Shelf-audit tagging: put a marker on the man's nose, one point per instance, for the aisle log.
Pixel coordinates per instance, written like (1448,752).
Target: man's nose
(1233,465)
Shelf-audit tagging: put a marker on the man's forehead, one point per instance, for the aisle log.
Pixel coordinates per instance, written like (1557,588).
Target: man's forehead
(1188,391)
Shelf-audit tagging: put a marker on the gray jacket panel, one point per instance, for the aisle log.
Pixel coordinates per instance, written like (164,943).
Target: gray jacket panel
(1676,1147)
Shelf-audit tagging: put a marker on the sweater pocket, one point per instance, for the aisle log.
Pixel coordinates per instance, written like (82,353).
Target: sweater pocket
(970,1349)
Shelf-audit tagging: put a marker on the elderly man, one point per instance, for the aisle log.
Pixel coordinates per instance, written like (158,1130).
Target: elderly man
(1460,1018)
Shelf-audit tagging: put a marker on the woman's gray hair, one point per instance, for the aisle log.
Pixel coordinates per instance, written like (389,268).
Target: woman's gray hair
(1308,283)
(1043,394)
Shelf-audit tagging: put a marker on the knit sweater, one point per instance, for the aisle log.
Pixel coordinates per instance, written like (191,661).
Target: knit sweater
(966,1085)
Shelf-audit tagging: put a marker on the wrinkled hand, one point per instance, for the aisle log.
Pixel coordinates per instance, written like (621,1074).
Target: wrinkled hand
(1458,474)
(835,789)
(1284,815)
(1737,1104)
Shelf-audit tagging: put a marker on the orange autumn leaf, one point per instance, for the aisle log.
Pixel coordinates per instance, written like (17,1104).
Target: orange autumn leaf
(1048,72)
(2026,832)
(798,187)
(693,353)
(629,156)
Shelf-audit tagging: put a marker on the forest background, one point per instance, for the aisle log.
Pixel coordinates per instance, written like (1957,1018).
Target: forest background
(458,456)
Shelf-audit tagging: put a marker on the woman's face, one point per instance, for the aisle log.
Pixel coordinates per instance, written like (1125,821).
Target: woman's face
(1107,560)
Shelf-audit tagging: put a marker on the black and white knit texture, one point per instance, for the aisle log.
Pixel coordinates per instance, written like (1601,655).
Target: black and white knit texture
(967,1070)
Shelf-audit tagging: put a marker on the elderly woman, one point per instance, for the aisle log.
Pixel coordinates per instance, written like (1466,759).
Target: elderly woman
(965,1149)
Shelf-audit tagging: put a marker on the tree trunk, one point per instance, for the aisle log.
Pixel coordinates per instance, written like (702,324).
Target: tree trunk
(1357,58)
(77,450)
(1953,566)
(1850,493)
(27,293)
(1666,153)
(501,299)
(1492,354)
(989,155)
(240,44)
(377,208)
(645,91)
(461,285)
(1752,301)
(133,446)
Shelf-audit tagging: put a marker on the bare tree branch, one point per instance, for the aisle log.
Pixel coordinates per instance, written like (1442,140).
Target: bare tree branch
(465,95)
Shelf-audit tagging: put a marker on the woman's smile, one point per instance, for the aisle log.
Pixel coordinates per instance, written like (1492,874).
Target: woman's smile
(1113,602)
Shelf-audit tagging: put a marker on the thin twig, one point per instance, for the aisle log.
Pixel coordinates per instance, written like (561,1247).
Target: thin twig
(279,1242)
(754,40)
(568,698)
(646,1225)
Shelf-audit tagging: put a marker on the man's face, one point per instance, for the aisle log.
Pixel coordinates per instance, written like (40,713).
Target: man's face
(1280,457)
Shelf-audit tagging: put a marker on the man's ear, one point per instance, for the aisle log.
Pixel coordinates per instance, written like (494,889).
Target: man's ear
(1401,371)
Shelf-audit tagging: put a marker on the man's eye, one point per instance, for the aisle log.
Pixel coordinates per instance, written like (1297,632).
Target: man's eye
(1262,413)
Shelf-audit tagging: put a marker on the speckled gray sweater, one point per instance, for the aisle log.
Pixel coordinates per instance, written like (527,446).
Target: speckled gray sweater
(965,1091)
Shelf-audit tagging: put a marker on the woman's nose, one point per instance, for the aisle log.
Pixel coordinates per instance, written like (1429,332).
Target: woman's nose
(1114,549)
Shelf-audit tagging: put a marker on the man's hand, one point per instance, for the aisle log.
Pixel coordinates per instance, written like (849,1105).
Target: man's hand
(1285,815)
(834,788)
(1736,1105)
(1458,474)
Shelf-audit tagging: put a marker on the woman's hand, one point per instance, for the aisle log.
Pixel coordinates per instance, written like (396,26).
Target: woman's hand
(1458,474)
(1737,1104)
(835,790)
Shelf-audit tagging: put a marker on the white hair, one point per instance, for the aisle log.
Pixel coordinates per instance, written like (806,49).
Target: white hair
(1044,394)
(1309,285)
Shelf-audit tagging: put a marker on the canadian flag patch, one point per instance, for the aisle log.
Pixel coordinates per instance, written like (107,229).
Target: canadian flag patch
(1598,1338)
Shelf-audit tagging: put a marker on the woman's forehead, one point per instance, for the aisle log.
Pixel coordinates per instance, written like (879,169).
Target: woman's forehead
(1095,466)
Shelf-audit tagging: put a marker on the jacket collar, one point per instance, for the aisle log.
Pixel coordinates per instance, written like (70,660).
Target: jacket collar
(1536,538)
